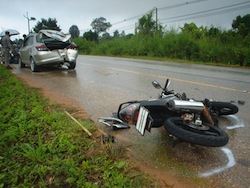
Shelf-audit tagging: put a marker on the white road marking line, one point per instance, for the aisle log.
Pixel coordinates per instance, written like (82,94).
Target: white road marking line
(236,122)
(231,162)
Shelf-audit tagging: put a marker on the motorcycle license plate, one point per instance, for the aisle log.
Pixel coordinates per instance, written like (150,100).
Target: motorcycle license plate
(142,120)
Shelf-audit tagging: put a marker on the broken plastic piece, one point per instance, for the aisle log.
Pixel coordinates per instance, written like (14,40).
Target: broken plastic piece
(113,122)
(107,139)
(241,102)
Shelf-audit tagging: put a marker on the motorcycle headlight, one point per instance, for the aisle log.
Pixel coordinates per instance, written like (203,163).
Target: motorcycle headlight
(129,114)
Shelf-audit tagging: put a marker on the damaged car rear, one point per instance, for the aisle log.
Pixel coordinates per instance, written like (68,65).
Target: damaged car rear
(48,48)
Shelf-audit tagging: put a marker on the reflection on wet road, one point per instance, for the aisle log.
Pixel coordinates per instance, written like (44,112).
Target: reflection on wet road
(100,84)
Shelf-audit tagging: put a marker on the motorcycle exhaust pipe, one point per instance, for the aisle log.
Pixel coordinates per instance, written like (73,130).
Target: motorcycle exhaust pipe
(185,106)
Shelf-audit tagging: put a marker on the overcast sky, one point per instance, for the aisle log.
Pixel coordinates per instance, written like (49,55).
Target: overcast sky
(82,12)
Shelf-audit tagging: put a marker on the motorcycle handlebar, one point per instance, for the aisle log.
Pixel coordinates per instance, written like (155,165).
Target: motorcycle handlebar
(166,84)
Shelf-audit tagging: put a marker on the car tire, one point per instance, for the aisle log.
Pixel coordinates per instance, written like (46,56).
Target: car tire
(20,63)
(72,65)
(33,65)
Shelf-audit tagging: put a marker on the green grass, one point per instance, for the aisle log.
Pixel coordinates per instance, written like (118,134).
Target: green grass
(216,50)
(41,147)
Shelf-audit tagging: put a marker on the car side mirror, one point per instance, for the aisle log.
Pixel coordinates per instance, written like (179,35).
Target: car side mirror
(156,84)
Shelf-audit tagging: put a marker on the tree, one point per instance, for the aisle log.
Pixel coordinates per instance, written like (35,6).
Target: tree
(50,23)
(242,25)
(147,25)
(213,32)
(74,31)
(123,34)
(90,35)
(100,25)
(106,36)
(191,28)
(116,34)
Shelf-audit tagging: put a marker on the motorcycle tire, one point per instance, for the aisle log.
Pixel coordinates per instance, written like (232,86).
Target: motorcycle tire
(212,137)
(223,108)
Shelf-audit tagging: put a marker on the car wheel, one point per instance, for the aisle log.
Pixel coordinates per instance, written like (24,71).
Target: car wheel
(33,66)
(72,65)
(20,63)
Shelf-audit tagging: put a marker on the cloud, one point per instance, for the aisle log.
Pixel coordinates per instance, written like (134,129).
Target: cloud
(82,12)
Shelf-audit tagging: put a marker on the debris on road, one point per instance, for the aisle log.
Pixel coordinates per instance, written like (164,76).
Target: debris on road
(115,123)
(86,130)
(241,102)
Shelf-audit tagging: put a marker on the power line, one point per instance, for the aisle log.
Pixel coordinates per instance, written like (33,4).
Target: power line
(131,18)
(214,11)
(209,14)
(209,11)
(181,4)
(125,28)
(161,8)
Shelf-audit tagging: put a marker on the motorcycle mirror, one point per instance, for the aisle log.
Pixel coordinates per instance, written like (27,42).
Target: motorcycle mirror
(156,84)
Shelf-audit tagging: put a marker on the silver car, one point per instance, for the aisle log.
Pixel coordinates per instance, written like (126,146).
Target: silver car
(48,47)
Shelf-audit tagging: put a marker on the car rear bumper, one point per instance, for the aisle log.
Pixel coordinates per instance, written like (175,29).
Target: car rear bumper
(55,56)
(48,57)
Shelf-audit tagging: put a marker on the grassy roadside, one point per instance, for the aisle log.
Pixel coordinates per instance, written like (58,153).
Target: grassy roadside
(224,49)
(172,60)
(42,147)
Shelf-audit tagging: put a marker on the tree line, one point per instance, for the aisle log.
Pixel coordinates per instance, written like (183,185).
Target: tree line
(190,42)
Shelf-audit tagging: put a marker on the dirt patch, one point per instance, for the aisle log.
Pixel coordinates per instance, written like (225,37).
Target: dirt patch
(162,178)
(56,98)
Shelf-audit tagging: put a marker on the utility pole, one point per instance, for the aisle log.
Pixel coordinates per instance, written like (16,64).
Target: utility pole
(29,19)
(156,18)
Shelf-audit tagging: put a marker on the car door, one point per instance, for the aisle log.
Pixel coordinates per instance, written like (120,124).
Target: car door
(25,51)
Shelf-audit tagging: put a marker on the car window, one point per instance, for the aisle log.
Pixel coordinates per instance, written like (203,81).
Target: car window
(41,37)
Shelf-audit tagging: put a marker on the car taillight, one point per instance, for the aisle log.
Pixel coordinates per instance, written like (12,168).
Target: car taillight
(72,46)
(42,48)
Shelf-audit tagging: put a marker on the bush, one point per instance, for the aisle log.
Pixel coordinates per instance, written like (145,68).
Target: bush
(222,47)
(84,46)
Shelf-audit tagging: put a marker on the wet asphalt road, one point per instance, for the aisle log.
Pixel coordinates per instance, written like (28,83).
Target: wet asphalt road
(100,84)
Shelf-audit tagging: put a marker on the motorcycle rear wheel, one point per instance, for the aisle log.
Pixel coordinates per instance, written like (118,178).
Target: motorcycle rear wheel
(223,108)
(212,136)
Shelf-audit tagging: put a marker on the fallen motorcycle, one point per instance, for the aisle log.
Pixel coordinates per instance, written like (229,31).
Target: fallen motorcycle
(185,119)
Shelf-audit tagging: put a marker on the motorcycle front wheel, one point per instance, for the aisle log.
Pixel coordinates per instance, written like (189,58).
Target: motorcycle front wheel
(211,136)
